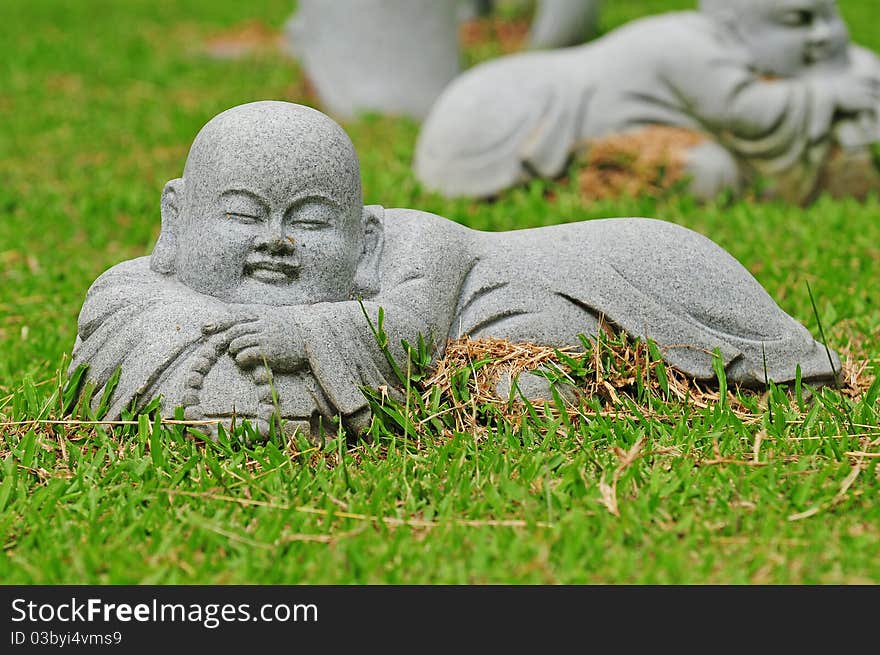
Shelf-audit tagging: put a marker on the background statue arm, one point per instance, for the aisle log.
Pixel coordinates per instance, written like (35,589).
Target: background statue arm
(755,115)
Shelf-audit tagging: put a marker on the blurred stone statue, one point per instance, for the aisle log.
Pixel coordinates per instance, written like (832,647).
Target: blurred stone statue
(773,89)
(254,304)
(397,56)
(556,23)
(386,56)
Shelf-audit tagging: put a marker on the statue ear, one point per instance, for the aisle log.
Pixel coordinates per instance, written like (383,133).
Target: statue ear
(366,278)
(165,252)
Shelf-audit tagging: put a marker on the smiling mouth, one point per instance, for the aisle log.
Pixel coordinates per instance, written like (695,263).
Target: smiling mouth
(271,271)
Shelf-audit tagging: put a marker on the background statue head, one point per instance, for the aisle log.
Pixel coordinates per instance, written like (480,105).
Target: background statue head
(785,37)
(269,211)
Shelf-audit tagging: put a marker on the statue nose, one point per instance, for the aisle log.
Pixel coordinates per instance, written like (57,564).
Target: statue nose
(820,35)
(274,240)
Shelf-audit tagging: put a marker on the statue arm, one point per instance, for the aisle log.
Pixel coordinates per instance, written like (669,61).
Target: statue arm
(345,355)
(776,129)
(716,80)
(740,107)
(338,342)
(426,261)
(864,61)
(792,109)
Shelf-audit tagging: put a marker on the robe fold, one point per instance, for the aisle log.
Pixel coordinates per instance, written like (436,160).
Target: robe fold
(648,278)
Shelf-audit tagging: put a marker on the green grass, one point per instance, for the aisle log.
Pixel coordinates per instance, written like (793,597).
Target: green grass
(100,102)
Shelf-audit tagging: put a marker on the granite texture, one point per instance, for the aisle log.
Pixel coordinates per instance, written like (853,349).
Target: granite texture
(385,56)
(254,303)
(775,85)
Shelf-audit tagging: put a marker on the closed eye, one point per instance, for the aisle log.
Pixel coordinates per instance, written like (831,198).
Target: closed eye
(248,219)
(312,225)
(312,213)
(798,18)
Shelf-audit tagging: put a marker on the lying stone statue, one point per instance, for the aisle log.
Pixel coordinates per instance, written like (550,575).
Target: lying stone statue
(773,87)
(250,304)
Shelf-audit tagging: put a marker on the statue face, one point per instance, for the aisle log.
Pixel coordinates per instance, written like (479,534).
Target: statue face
(275,245)
(787,37)
(271,209)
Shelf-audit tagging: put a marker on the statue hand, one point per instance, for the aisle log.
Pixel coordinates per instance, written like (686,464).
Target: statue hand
(267,339)
(858,132)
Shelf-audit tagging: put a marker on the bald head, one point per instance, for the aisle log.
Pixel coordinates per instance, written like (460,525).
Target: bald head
(271,141)
(785,37)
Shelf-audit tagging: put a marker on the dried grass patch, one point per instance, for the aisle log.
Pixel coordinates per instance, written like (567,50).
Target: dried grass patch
(508,35)
(647,161)
(242,40)
(620,377)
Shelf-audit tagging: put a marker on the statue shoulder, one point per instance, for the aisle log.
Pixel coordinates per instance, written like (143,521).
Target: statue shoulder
(131,271)
(660,27)
(419,244)
(677,38)
(864,61)
(411,227)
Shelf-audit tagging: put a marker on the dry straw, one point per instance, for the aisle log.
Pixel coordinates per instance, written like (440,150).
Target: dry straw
(619,377)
